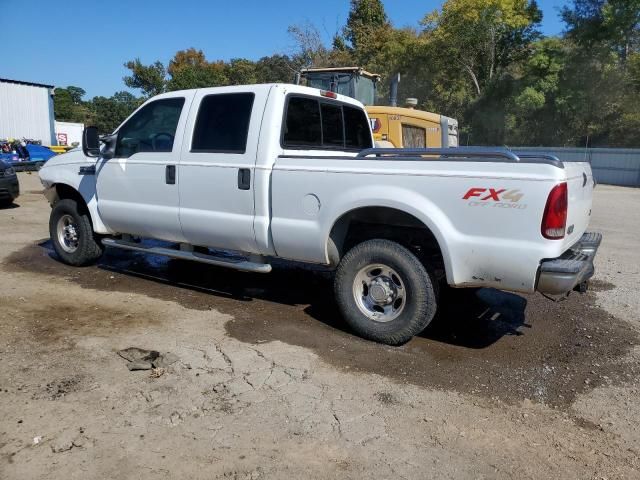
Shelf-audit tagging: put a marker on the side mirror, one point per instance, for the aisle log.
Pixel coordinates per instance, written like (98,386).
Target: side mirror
(109,141)
(90,142)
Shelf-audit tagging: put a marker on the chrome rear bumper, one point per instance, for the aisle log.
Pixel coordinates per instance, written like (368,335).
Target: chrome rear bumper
(575,266)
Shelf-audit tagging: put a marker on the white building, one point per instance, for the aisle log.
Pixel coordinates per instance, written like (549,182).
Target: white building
(26,111)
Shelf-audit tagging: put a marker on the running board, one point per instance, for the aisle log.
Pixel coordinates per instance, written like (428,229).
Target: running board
(242,265)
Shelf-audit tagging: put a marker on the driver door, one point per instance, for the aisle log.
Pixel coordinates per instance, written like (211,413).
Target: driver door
(137,190)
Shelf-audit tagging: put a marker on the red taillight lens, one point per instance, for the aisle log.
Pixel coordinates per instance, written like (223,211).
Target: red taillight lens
(376,125)
(554,220)
(326,93)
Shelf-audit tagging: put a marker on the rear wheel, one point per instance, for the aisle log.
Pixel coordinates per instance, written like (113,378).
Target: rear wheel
(72,234)
(384,292)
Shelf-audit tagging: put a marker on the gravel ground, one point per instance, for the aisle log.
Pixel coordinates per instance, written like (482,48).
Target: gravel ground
(270,383)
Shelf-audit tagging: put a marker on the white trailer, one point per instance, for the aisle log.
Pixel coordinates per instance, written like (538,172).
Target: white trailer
(69,133)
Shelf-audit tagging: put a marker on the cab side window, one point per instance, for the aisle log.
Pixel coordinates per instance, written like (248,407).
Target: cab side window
(151,129)
(222,124)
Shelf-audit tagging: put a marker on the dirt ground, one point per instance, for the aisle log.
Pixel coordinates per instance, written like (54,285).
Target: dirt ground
(270,383)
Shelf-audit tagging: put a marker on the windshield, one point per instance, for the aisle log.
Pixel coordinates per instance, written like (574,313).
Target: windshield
(323,81)
(361,88)
(365,90)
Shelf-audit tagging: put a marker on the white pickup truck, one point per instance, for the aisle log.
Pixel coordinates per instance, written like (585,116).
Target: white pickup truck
(284,171)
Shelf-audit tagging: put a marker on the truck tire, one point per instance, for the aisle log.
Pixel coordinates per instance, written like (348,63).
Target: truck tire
(72,234)
(384,292)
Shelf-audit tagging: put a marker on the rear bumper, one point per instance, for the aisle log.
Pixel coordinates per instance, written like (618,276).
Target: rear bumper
(9,188)
(560,275)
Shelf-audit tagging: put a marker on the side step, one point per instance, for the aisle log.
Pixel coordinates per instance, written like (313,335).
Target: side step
(237,264)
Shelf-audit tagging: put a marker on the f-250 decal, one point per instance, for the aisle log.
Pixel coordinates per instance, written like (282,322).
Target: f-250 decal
(494,197)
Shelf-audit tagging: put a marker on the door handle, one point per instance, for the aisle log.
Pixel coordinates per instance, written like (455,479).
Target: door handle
(170,174)
(244,179)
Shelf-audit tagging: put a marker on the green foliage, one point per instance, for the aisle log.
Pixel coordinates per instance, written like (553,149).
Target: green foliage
(241,71)
(110,112)
(151,79)
(190,69)
(483,37)
(604,22)
(106,113)
(483,62)
(68,105)
(367,19)
(276,68)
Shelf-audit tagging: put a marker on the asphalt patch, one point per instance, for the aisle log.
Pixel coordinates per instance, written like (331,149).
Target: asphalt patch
(495,344)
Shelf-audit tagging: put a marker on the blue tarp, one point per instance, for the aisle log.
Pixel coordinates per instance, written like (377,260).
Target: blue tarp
(39,153)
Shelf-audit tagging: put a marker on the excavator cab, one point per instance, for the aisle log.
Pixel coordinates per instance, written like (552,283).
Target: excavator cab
(353,82)
(392,126)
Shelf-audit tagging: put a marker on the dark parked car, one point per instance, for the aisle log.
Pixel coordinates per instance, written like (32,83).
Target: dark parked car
(9,186)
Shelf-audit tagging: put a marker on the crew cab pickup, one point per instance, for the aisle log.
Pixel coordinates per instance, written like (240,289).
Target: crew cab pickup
(284,171)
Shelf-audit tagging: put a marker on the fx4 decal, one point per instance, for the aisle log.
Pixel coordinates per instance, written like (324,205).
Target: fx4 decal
(494,197)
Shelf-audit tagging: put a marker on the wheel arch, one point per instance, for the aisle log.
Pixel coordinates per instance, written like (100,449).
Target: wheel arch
(62,190)
(400,223)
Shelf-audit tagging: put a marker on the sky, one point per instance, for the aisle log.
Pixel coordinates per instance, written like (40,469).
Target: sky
(85,43)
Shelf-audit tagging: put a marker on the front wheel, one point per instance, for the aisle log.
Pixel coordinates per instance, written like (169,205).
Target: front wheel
(384,292)
(72,234)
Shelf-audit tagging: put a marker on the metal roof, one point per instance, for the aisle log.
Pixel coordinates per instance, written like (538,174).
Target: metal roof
(20,82)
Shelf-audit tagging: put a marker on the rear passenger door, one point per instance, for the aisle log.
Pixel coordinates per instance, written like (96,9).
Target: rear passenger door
(217,169)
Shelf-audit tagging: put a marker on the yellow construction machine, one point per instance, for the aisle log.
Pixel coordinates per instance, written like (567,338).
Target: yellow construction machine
(392,126)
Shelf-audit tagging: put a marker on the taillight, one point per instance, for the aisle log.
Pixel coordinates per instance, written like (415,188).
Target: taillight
(376,125)
(554,220)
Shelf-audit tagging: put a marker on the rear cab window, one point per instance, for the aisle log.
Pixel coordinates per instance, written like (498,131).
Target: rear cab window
(312,123)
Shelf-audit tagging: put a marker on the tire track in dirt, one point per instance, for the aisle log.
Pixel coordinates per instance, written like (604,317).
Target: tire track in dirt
(494,344)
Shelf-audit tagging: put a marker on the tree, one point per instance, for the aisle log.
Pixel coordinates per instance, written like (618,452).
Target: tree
(68,105)
(366,18)
(614,23)
(76,94)
(483,62)
(151,79)
(276,68)
(537,111)
(241,71)
(483,37)
(109,113)
(186,59)
(310,50)
(210,74)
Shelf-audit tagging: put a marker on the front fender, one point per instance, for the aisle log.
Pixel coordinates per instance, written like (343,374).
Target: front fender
(67,173)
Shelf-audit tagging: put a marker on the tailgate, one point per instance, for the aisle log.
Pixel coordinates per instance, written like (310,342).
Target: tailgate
(580,188)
